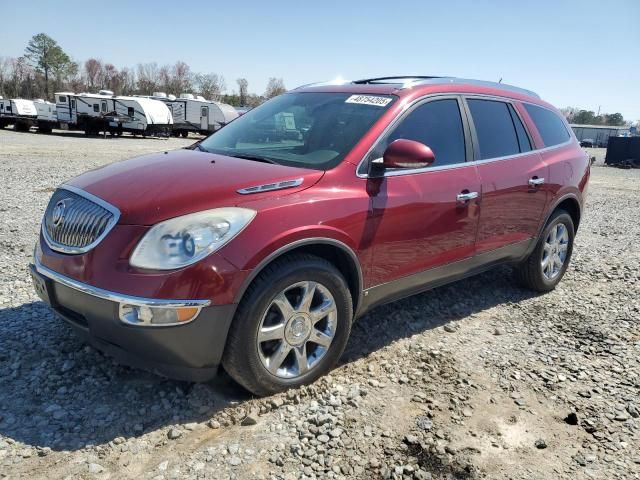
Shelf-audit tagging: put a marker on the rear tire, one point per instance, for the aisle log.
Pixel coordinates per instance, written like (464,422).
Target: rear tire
(546,265)
(289,356)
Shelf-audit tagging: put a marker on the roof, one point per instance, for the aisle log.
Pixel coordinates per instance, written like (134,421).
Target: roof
(401,85)
(603,127)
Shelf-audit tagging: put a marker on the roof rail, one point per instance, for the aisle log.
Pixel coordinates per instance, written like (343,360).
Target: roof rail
(469,81)
(408,81)
(400,78)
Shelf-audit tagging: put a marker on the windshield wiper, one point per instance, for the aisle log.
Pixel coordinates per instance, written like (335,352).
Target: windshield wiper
(196,146)
(255,158)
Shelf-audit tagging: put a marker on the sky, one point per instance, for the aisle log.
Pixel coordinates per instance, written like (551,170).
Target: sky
(573,53)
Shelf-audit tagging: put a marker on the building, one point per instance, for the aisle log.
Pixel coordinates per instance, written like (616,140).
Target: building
(599,133)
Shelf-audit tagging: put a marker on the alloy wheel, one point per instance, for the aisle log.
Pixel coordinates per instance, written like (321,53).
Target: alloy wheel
(297,329)
(555,250)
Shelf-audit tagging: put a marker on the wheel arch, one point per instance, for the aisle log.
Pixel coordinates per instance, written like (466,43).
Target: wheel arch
(571,205)
(335,251)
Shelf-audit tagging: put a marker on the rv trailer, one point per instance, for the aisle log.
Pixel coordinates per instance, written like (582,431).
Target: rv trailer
(47,116)
(18,112)
(104,112)
(196,114)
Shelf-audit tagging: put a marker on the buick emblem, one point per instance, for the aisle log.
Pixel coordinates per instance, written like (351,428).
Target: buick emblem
(58,213)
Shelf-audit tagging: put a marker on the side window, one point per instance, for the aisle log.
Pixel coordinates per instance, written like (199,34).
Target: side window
(494,128)
(62,99)
(96,107)
(104,106)
(549,125)
(73,103)
(130,112)
(438,125)
(523,138)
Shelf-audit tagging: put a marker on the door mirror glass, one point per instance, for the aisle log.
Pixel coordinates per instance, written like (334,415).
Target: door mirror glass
(403,153)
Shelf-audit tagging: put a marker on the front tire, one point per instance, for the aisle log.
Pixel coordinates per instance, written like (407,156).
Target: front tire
(547,264)
(291,326)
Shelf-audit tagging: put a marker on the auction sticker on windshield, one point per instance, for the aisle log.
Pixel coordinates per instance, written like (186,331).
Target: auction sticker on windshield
(369,100)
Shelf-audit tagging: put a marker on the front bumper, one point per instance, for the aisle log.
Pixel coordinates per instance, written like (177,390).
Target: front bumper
(191,351)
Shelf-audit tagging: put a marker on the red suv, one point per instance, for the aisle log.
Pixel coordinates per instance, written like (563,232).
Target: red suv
(257,247)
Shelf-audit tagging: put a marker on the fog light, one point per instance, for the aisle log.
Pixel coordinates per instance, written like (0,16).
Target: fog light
(143,315)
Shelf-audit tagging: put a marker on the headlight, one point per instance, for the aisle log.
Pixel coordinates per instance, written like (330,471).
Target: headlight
(185,240)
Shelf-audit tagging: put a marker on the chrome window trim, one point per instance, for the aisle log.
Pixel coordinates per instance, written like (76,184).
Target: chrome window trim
(464,95)
(77,250)
(113,296)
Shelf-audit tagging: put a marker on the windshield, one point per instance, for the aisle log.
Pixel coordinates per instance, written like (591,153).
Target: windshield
(310,130)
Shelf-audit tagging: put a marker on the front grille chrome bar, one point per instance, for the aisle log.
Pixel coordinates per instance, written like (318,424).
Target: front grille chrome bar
(76,221)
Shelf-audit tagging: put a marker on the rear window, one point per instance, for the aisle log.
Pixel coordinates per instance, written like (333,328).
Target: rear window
(495,128)
(549,125)
(523,138)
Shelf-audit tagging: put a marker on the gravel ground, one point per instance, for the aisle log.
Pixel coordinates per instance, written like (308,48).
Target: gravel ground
(479,379)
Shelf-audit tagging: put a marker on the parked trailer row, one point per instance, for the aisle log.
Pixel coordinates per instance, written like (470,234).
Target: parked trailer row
(155,115)
(104,112)
(196,114)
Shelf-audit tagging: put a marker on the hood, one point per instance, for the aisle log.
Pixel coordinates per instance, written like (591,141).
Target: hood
(153,188)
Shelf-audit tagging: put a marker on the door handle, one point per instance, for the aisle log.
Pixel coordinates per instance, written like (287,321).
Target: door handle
(536,182)
(466,196)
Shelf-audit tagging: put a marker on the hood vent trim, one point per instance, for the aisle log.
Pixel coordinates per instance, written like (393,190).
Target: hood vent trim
(269,187)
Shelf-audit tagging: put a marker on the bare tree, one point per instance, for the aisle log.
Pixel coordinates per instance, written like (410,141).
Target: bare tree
(111,78)
(182,79)
(4,74)
(93,70)
(20,77)
(243,87)
(275,87)
(128,81)
(148,77)
(210,85)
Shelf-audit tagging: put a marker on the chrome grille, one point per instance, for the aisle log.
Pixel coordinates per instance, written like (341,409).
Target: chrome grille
(76,221)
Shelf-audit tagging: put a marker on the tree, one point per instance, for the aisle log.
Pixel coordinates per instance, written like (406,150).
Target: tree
(585,117)
(210,85)
(45,55)
(615,119)
(180,78)
(148,78)
(5,68)
(275,87)
(93,70)
(243,86)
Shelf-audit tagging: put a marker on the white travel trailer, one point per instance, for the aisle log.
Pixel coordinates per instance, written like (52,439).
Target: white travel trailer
(47,116)
(105,112)
(196,114)
(18,112)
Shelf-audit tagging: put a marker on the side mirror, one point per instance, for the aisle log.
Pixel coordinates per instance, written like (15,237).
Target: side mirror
(404,153)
